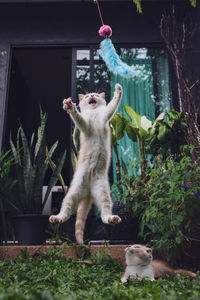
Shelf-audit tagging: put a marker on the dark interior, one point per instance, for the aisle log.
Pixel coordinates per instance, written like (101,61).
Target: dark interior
(41,77)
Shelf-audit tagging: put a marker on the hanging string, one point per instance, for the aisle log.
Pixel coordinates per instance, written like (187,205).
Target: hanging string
(100,14)
(105,30)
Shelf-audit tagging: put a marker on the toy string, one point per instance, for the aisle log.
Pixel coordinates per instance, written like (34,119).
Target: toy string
(100,14)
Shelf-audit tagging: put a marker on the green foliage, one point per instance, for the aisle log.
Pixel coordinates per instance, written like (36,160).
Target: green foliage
(138,129)
(167,134)
(31,165)
(139,5)
(193,3)
(52,276)
(173,195)
(6,186)
(166,204)
(117,126)
(163,136)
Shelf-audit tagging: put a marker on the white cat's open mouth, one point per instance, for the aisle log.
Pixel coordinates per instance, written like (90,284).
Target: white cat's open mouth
(92,102)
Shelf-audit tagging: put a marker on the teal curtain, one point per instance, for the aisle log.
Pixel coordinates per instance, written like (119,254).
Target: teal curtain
(142,94)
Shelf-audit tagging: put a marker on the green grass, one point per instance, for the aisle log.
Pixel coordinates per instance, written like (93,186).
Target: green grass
(50,277)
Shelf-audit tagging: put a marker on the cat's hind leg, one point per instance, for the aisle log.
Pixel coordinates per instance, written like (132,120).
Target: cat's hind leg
(101,194)
(81,217)
(74,195)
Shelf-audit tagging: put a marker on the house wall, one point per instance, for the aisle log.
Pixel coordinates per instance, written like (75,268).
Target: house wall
(77,23)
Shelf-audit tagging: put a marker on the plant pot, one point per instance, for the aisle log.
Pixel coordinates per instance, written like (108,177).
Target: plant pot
(68,228)
(125,232)
(30,229)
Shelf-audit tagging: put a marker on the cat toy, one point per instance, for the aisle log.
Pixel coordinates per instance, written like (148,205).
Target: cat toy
(109,54)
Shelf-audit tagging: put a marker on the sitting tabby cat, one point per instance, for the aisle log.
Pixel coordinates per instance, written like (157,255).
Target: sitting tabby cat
(140,264)
(90,181)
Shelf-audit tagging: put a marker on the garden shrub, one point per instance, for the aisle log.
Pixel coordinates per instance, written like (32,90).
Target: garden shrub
(167,204)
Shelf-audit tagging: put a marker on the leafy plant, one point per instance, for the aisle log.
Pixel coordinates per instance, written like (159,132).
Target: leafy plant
(159,138)
(117,125)
(6,185)
(167,135)
(31,165)
(139,130)
(139,4)
(167,204)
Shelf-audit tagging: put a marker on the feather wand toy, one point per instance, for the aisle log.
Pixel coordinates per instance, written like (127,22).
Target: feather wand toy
(109,54)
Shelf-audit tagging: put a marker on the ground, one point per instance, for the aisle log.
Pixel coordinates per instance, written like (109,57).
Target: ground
(54,277)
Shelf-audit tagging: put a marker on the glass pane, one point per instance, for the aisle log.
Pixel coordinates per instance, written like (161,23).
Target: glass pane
(82,71)
(153,68)
(102,76)
(162,90)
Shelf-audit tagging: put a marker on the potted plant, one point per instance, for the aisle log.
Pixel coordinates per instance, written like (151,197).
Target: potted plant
(6,185)
(31,164)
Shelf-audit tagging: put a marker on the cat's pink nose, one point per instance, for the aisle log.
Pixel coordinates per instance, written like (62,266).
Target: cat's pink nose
(92,96)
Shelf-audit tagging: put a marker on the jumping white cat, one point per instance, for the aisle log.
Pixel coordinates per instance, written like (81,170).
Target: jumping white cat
(90,181)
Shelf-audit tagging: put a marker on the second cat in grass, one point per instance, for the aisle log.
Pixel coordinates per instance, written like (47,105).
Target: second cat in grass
(140,264)
(90,183)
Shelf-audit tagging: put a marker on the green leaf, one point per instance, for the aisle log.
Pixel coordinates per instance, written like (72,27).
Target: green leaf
(132,132)
(137,121)
(41,132)
(73,159)
(55,176)
(26,165)
(162,132)
(139,7)
(117,125)
(193,3)
(135,117)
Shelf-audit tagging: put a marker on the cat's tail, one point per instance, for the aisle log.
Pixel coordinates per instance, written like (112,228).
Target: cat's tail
(182,272)
(81,216)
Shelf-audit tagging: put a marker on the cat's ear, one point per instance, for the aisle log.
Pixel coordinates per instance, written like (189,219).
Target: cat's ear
(102,95)
(80,97)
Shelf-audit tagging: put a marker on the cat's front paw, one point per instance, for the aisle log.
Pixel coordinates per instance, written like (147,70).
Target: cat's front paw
(118,90)
(55,219)
(114,219)
(68,105)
